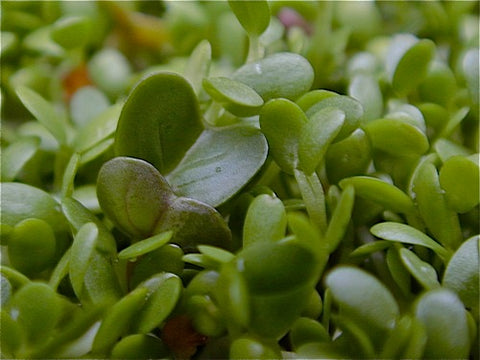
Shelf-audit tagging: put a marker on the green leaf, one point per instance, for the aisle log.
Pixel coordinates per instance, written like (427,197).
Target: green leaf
(236,97)
(32,246)
(408,235)
(145,246)
(348,157)
(266,220)
(206,317)
(167,258)
(446,149)
(12,335)
(407,61)
(305,331)
(397,270)
(287,267)
(337,227)
(444,317)
(164,291)
(98,128)
(16,155)
(442,222)
(133,194)
(194,223)
(72,31)
(231,292)
(140,346)
(229,157)
(370,248)
(282,122)
(44,112)
(69,175)
(387,195)
(78,216)
(117,320)
(159,122)
(366,89)
(81,254)
(285,75)
(254,16)
(37,306)
(316,135)
(251,348)
(216,254)
(461,274)
(198,65)
(363,299)
(422,271)
(61,270)
(396,137)
(459,177)
(352,109)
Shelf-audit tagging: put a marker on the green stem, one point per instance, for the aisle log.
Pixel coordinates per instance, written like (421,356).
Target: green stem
(255,49)
(312,193)
(213,113)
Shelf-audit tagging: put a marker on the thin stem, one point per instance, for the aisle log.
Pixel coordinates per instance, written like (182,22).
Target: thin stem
(255,49)
(213,113)
(313,195)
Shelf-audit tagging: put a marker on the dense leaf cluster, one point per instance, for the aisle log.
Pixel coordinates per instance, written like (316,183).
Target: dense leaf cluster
(241,179)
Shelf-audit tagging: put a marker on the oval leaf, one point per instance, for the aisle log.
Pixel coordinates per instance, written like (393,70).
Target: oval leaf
(442,222)
(219,164)
(461,274)
(159,121)
(317,134)
(266,220)
(396,137)
(164,292)
(459,177)
(282,122)
(444,317)
(386,194)
(285,75)
(133,194)
(236,97)
(253,15)
(364,299)
(420,270)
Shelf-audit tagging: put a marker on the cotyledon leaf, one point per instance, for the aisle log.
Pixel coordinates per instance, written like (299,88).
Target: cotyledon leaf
(219,164)
(254,16)
(380,191)
(15,156)
(282,121)
(408,235)
(144,246)
(159,121)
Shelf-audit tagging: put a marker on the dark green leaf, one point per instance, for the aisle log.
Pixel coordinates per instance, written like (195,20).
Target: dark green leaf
(422,271)
(219,164)
(235,96)
(316,135)
(266,220)
(253,15)
(159,122)
(461,274)
(282,122)
(380,191)
(145,246)
(133,194)
(285,75)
